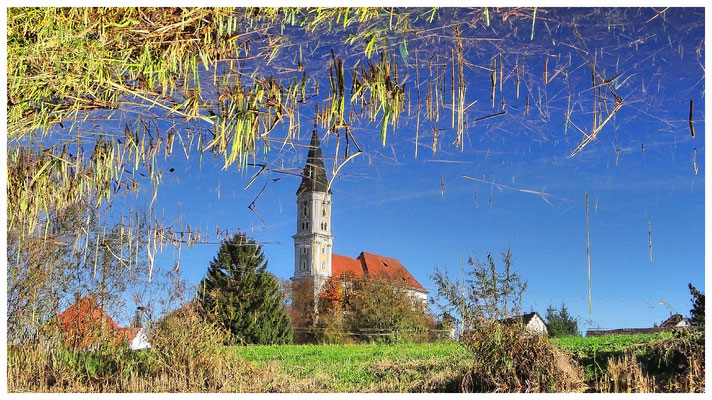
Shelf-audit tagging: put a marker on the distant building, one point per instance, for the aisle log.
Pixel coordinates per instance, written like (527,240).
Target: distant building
(85,326)
(139,340)
(314,260)
(532,321)
(675,321)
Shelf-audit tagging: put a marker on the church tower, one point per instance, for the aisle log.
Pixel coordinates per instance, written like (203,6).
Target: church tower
(313,241)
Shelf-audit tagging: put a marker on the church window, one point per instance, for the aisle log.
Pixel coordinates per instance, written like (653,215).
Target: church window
(323,211)
(323,265)
(304,265)
(323,249)
(305,211)
(304,249)
(306,224)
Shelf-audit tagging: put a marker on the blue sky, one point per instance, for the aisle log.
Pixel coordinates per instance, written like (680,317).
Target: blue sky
(398,211)
(425,213)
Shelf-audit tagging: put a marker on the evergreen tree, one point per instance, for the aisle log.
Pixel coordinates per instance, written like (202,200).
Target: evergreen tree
(137,321)
(239,294)
(697,313)
(560,323)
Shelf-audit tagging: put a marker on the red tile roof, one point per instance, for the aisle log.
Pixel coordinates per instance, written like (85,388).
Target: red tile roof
(82,323)
(342,264)
(374,265)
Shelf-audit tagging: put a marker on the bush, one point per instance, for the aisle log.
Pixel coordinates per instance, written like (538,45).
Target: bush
(372,310)
(510,358)
(186,356)
(492,292)
(382,311)
(188,345)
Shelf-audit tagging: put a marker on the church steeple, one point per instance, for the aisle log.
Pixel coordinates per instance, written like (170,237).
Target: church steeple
(313,241)
(314,175)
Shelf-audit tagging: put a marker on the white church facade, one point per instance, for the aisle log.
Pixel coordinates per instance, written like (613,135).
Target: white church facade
(314,259)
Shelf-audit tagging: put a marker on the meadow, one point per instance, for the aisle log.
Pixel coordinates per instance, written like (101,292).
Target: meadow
(430,367)
(439,367)
(661,362)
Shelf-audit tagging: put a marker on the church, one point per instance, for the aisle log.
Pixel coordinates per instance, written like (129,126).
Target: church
(314,260)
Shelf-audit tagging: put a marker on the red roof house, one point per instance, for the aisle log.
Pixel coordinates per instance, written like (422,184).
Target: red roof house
(374,265)
(85,325)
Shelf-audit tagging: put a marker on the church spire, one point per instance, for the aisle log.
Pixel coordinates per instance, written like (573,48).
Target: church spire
(314,175)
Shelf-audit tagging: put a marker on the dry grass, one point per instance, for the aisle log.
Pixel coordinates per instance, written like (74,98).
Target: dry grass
(413,376)
(184,358)
(668,362)
(509,358)
(625,375)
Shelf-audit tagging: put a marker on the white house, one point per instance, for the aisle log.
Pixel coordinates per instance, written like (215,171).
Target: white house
(532,321)
(139,341)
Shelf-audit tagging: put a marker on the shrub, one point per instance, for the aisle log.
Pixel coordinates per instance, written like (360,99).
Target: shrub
(382,311)
(188,351)
(371,310)
(491,293)
(186,356)
(510,358)
(660,362)
(51,367)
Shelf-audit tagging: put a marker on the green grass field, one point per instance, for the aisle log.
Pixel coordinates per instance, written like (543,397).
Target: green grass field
(428,367)
(583,345)
(361,368)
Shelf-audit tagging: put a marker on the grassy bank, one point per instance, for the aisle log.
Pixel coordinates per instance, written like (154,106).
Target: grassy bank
(593,352)
(433,367)
(662,362)
(656,362)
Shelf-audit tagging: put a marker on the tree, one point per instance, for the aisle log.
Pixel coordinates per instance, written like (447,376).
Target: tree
(240,295)
(381,306)
(369,309)
(137,321)
(560,323)
(698,307)
(105,259)
(330,322)
(490,294)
